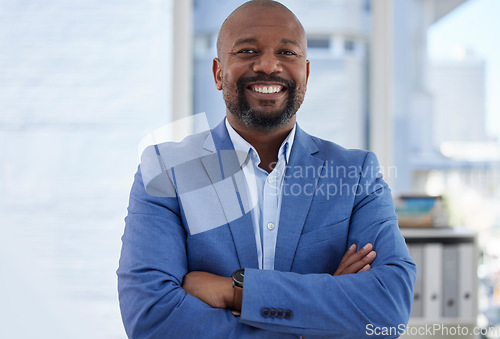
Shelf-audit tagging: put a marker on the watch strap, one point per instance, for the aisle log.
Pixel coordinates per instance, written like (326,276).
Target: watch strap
(237,300)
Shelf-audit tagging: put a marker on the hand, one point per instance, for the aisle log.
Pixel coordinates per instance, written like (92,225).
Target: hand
(354,262)
(212,289)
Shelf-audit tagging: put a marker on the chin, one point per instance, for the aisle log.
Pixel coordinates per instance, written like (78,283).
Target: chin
(267,120)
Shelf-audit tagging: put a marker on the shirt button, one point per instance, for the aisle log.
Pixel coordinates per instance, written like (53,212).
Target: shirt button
(270,226)
(254,154)
(270,179)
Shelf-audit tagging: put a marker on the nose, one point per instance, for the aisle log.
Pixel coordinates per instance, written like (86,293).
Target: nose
(267,63)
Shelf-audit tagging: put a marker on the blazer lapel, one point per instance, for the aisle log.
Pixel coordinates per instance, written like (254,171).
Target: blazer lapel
(298,192)
(223,168)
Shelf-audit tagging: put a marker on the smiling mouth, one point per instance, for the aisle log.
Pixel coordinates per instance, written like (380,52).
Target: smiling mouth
(267,90)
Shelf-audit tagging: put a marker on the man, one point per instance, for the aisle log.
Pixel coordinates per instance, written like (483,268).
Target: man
(251,230)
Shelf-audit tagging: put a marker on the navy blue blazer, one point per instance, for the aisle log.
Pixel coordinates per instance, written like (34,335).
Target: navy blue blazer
(188,211)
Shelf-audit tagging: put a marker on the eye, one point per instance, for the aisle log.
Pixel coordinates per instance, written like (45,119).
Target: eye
(287,52)
(246,51)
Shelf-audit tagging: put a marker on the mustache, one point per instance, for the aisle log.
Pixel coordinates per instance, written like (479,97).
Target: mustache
(265,78)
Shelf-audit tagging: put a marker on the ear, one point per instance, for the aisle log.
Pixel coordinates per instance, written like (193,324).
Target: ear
(217,71)
(307,70)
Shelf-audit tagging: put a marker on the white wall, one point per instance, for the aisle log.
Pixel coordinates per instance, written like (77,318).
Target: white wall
(81,82)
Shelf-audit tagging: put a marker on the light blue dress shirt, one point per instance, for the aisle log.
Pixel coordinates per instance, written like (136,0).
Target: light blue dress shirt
(265,193)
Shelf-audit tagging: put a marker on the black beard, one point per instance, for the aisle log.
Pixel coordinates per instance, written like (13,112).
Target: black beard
(259,120)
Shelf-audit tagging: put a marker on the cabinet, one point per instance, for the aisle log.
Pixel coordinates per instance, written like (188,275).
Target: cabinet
(445,294)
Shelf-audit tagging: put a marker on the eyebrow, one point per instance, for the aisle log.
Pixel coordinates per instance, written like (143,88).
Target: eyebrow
(253,40)
(288,41)
(244,41)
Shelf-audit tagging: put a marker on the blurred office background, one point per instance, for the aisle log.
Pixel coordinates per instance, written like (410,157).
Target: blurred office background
(81,82)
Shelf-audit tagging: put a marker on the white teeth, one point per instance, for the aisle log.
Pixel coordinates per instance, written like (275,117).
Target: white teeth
(270,89)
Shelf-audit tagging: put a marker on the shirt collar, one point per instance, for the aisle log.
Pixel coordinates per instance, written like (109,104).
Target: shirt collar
(242,145)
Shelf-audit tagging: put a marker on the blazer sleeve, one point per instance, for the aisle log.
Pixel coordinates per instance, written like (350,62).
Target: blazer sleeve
(348,306)
(152,265)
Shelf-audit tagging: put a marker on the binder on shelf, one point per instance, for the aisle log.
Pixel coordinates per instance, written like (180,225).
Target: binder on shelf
(466,291)
(450,280)
(433,281)
(417,254)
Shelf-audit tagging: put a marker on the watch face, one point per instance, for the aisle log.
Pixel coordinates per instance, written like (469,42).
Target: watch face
(238,277)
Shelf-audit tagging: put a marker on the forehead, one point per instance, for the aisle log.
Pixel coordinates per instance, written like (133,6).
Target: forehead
(263,24)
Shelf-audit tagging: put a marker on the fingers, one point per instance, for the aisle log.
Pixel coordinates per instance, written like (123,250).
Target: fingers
(352,257)
(348,254)
(354,262)
(366,268)
(361,265)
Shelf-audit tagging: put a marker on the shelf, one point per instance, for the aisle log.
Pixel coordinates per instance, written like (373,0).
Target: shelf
(444,321)
(444,235)
(446,286)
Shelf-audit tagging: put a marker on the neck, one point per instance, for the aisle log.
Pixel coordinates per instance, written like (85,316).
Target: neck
(266,142)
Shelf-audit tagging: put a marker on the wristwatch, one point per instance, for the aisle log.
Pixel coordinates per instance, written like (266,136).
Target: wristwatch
(238,277)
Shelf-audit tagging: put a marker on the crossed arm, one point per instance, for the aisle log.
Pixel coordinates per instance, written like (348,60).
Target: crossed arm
(217,291)
(154,276)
